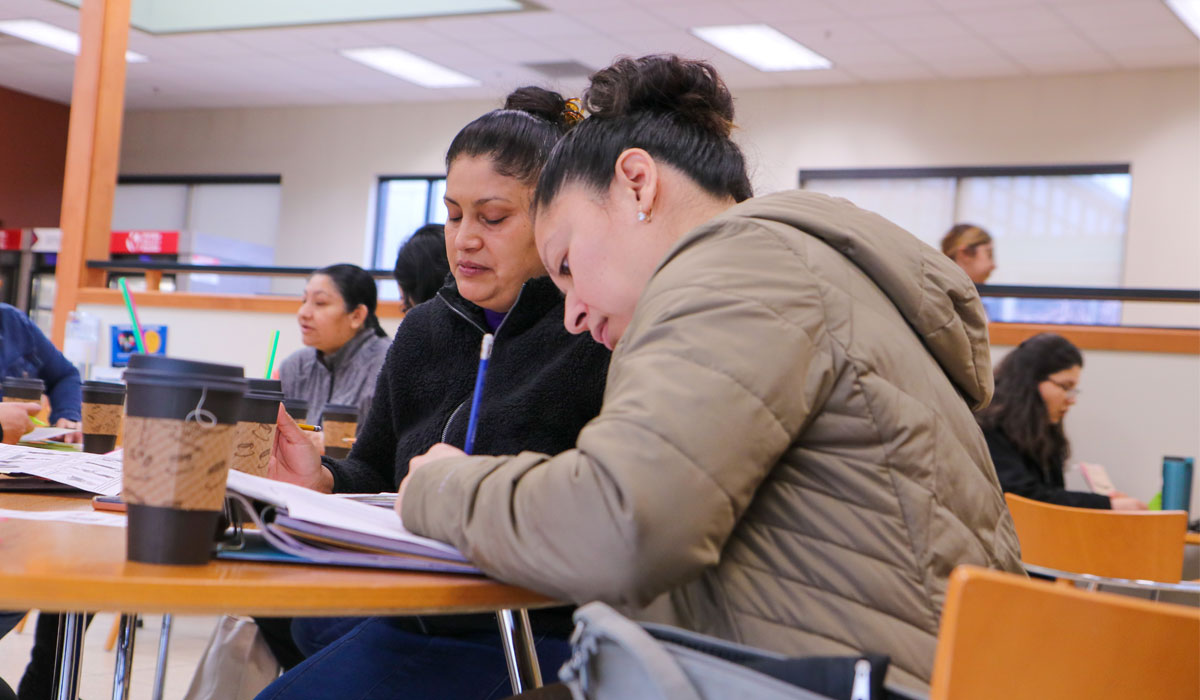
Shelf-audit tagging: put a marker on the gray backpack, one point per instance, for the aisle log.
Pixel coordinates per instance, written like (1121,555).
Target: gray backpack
(615,658)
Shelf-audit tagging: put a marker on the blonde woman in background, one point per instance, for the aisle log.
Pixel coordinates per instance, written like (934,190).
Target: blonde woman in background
(971,247)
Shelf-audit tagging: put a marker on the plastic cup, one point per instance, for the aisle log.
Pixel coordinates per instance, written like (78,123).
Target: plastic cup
(103,406)
(24,389)
(339,423)
(1177,483)
(180,420)
(255,437)
(297,409)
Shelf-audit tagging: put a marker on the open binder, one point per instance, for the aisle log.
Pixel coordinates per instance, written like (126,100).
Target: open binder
(294,524)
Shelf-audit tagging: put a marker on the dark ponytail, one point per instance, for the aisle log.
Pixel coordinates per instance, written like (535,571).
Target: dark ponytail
(356,287)
(677,110)
(519,137)
(1017,408)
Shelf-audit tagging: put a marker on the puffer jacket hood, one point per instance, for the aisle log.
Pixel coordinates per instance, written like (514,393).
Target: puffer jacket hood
(933,294)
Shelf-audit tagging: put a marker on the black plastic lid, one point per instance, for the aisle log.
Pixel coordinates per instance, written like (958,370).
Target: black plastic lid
(261,385)
(172,371)
(105,387)
(24,383)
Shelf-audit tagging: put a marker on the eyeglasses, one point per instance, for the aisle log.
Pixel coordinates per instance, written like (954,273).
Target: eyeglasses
(1070,391)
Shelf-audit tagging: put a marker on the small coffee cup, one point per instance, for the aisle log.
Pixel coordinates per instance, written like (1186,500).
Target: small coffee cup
(339,423)
(103,407)
(255,437)
(297,409)
(180,421)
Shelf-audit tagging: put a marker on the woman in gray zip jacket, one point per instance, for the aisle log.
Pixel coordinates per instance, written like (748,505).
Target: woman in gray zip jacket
(346,345)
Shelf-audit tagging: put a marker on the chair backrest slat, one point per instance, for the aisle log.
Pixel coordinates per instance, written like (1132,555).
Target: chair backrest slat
(1003,636)
(1117,544)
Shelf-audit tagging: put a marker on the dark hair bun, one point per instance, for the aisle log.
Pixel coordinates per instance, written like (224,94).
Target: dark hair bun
(544,104)
(665,84)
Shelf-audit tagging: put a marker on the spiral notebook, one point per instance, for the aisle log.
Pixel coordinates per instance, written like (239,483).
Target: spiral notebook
(297,525)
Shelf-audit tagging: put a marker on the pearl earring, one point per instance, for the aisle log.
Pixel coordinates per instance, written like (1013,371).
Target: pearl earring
(641,216)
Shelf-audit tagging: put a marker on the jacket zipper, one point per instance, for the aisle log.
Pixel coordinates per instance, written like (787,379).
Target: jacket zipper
(468,319)
(446,430)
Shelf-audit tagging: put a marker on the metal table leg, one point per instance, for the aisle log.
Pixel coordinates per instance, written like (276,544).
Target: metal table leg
(69,658)
(160,669)
(517,639)
(124,667)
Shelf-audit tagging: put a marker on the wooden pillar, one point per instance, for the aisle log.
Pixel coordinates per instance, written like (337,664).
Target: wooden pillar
(93,151)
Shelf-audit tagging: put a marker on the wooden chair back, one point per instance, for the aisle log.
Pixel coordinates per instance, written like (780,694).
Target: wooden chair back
(1118,544)
(1004,636)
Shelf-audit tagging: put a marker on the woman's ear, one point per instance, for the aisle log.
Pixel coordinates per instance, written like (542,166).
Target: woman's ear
(636,173)
(358,316)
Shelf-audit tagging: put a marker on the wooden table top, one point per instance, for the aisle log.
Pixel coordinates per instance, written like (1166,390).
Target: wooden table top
(70,567)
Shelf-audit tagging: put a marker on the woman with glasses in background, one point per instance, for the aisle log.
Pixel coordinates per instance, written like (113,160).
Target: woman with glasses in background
(1036,384)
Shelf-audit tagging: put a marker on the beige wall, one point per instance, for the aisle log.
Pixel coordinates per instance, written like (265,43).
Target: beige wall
(330,157)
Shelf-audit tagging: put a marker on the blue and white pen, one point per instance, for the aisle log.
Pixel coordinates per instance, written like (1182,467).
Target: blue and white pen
(485,351)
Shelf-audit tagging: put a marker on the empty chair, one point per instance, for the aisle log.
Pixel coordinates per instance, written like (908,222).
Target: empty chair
(1004,636)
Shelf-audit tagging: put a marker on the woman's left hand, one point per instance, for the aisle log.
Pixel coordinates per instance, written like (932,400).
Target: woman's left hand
(76,436)
(438,451)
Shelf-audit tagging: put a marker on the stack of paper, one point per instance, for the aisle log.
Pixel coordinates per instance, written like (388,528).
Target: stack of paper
(95,473)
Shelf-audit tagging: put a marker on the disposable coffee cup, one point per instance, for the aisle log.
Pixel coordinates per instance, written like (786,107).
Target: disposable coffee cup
(103,406)
(24,389)
(180,420)
(339,422)
(297,409)
(255,437)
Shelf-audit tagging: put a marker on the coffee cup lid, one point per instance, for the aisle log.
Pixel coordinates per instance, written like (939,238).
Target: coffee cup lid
(340,408)
(105,387)
(24,383)
(295,403)
(172,371)
(260,385)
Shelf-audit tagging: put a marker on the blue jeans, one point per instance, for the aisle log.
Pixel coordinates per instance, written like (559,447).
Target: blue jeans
(377,660)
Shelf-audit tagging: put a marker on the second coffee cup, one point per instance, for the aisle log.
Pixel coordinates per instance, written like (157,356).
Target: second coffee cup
(24,389)
(180,420)
(255,438)
(103,405)
(339,423)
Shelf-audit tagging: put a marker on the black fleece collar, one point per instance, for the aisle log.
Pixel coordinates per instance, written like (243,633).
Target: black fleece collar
(537,296)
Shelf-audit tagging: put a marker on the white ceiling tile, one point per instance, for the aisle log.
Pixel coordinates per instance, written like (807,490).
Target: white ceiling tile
(963,49)
(621,21)
(883,72)
(700,14)
(1036,44)
(860,54)
(976,69)
(680,43)
(1012,20)
(521,51)
(401,34)
(799,78)
(468,29)
(966,5)
(18,52)
(543,24)
(931,26)
(1117,14)
(596,51)
(1049,64)
(1118,38)
(818,35)
(885,8)
(774,11)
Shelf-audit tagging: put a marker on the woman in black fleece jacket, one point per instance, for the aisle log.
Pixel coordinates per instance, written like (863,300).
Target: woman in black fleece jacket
(543,384)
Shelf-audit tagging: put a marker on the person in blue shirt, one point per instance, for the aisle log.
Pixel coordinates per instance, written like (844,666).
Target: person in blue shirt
(26,352)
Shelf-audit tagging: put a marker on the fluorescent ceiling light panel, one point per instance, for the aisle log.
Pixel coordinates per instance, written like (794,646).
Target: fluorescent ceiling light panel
(54,37)
(1188,11)
(763,47)
(410,67)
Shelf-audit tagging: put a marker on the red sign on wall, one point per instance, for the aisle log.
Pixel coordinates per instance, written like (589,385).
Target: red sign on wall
(10,239)
(145,242)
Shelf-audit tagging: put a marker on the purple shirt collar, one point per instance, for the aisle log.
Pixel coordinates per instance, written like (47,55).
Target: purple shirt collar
(494,318)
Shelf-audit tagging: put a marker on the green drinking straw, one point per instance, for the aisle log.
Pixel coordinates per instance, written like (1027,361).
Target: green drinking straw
(271,360)
(137,327)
